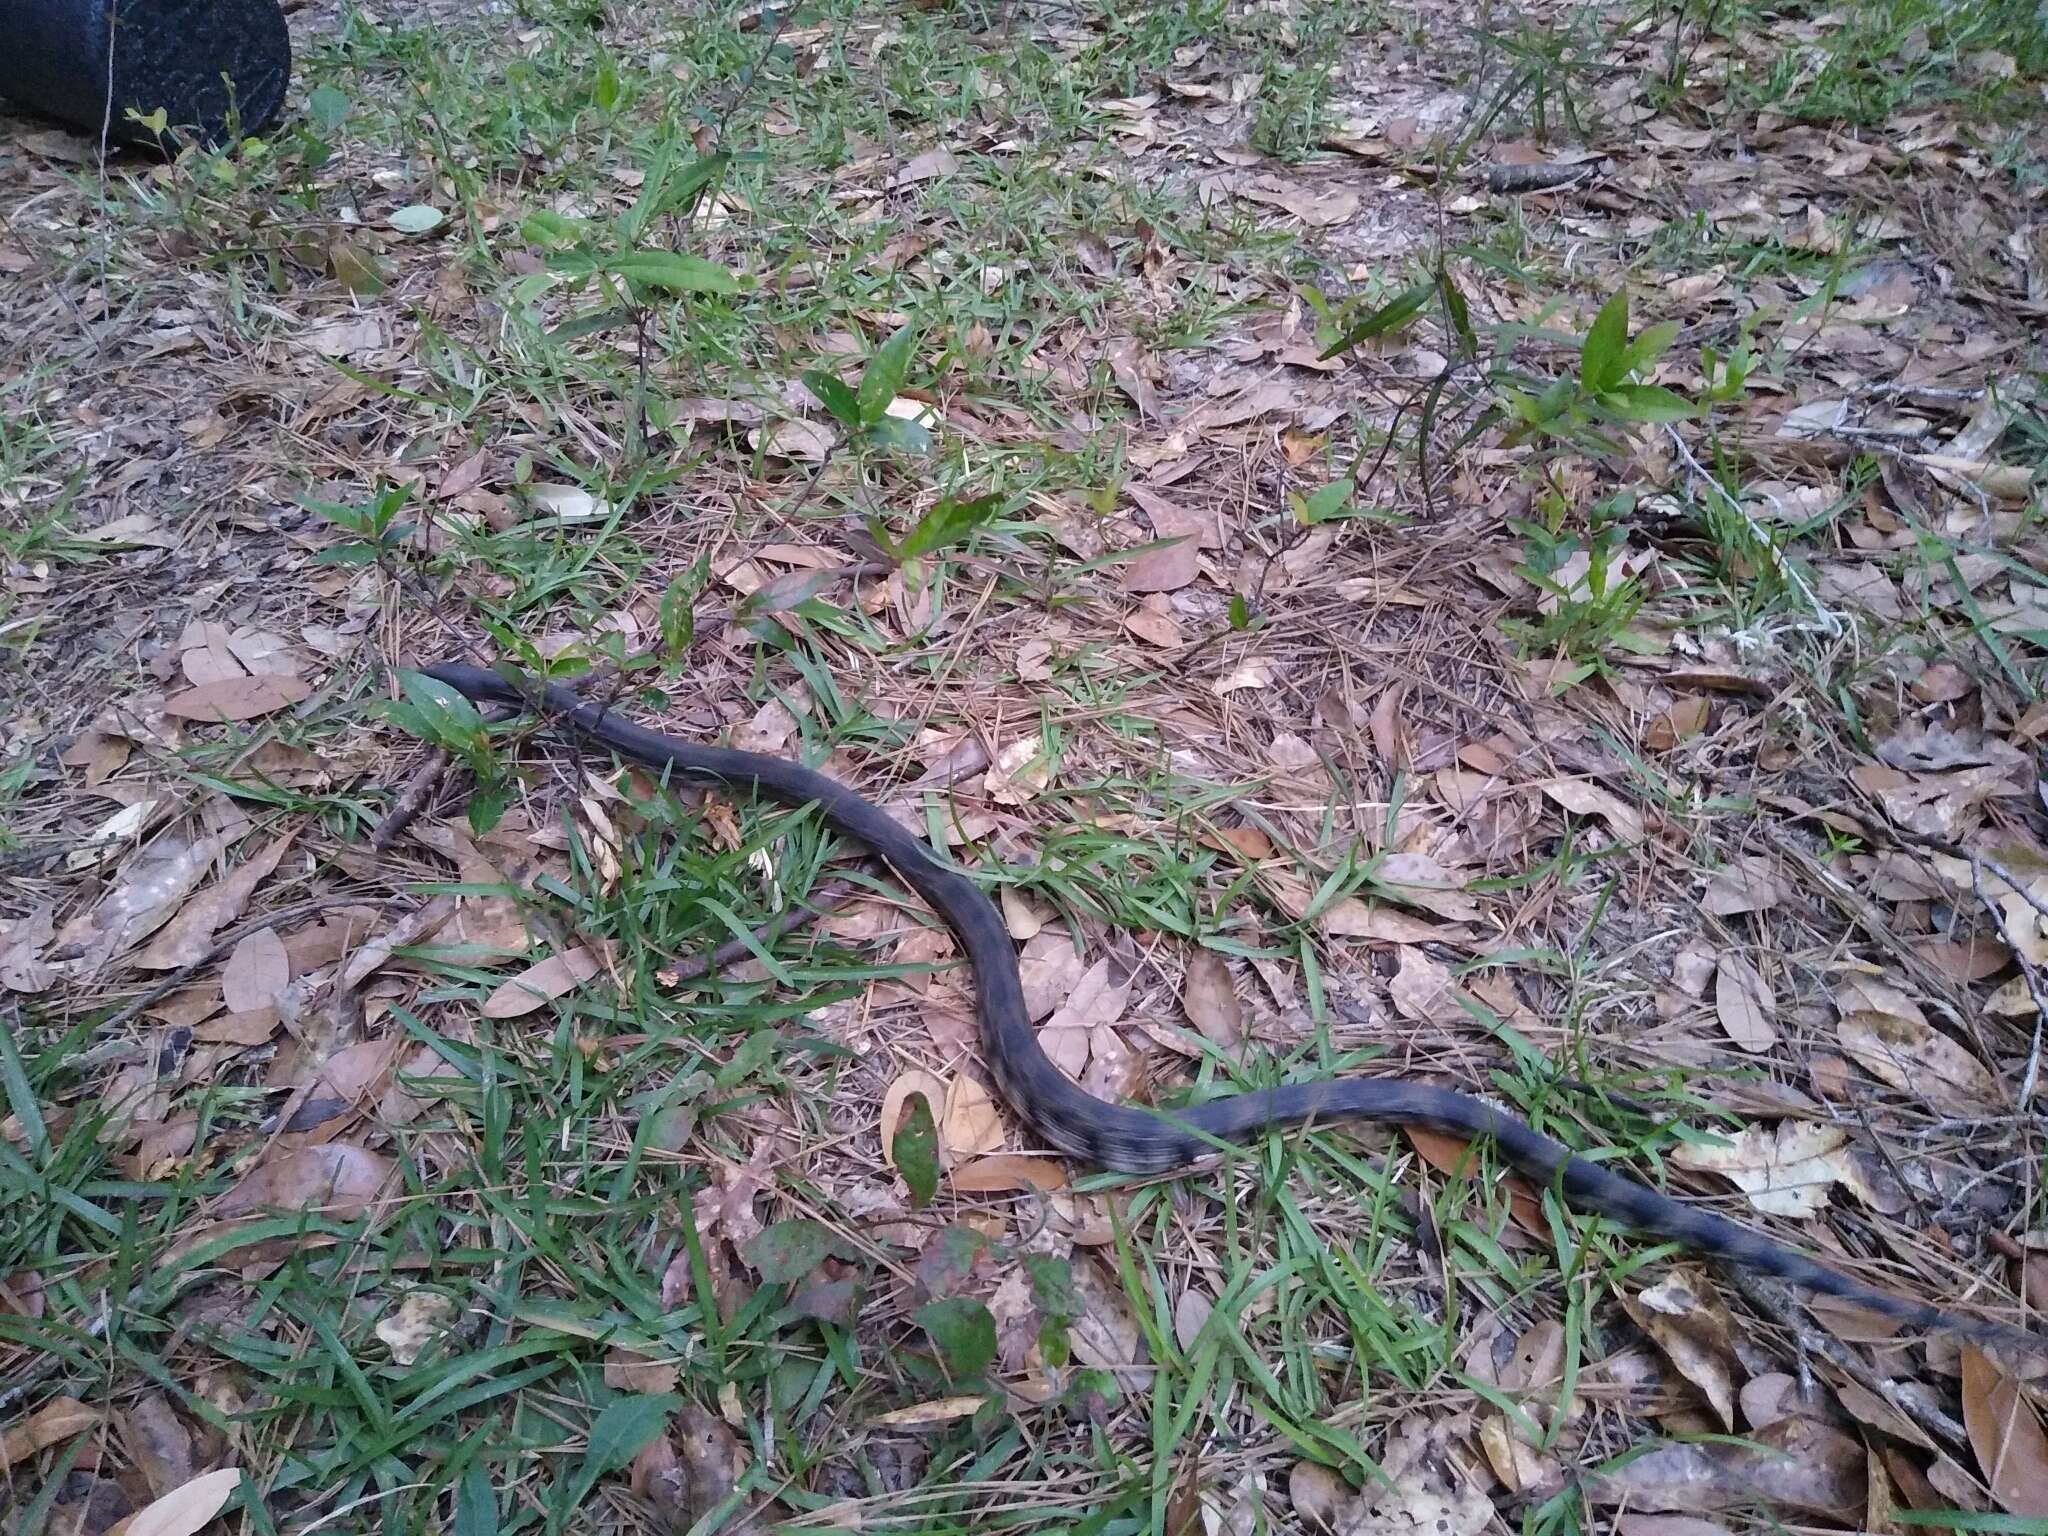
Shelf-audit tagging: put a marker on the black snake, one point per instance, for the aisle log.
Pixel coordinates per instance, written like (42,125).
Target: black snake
(1136,1140)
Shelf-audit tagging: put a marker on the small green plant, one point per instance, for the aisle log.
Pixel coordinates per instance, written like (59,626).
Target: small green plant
(1592,598)
(442,717)
(1575,409)
(865,412)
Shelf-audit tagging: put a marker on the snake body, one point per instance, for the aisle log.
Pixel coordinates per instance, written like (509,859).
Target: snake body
(1132,1139)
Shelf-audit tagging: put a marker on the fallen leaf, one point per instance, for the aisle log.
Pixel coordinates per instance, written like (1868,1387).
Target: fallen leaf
(1746,885)
(1745,1004)
(2006,1434)
(421,1317)
(896,1103)
(57,1420)
(1008,1170)
(1584,799)
(256,972)
(238,698)
(184,1511)
(929,166)
(1684,1320)
(159,1442)
(1784,1173)
(337,1178)
(1914,1057)
(1173,566)
(1210,998)
(542,983)
(971,1122)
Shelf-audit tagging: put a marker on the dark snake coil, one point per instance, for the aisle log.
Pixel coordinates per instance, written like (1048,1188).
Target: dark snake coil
(1136,1140)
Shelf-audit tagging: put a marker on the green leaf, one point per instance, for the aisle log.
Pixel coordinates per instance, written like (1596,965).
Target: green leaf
(835,394)
(1600,356)
(488,802)
(673,272)
(1328,502)
(1460,315)
(963,1332)
(417,219)
(947,524)
(476,1503)
(1646,402)
(622,1431)
(1240,611)
(1396,312)
(915,1148)
(883,380)
(328,107)
(447,708)
(1648,346)
(899,432)
(679,612)
(789,1250)
(550,231)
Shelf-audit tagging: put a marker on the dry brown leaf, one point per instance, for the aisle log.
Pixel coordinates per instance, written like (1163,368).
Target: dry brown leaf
(1170,568)
(1255,673)
(1585,799)
(628,1371)
(421,1317)
(22,942)
(190,934)
(1914,1057)
(147,895)
(971,1123)
(542,983)
(1417,880)
(1210,997)
(57,1420)
(1450,1155)
(1685,719)
(1153,622)
(1007,1170)
(938,1410)
(929,166)
(1784,1173)
(337,1178)
(159,1443)
(1131,368)
(238,698)
(1796,1464)
(1019,772)
(1745,1004)
(2006,1434)
(1746,885)
(184,1511)
(257,971)
(1422,990)
(1682,1317)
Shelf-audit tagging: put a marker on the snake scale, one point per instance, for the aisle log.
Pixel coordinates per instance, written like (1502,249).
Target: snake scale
(1131,1139)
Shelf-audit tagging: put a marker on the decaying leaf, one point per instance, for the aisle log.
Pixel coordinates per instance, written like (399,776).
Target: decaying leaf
(1685,1320)
(420,1317)
(184,1511)
(1745,1004)
(1914,1057)
(542,983)
(337,1178)
(238,698)
(57,1420)
(2006,1434)
(1784,1172)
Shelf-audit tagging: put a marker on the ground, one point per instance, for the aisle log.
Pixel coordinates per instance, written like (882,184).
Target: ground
(1394,538)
